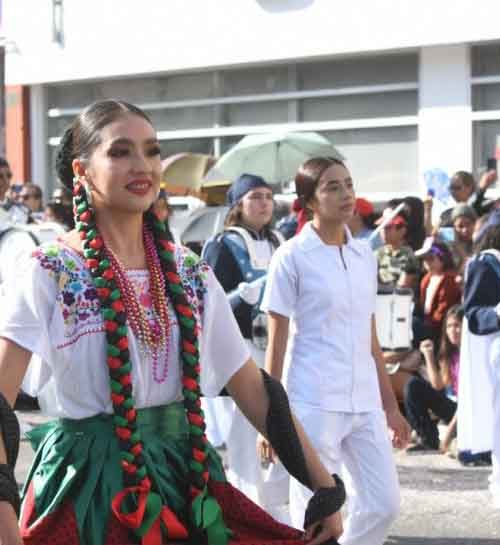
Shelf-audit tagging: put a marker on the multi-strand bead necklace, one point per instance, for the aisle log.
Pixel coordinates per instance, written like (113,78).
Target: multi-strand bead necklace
(205,517)
(153,335)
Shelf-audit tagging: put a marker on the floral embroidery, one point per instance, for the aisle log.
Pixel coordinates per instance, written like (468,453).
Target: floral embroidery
(193,272)
(77,297)
(78,300)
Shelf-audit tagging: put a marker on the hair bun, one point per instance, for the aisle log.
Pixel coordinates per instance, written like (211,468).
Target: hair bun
(64,158)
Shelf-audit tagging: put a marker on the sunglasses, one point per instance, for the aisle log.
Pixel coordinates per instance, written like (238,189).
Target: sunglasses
(454,187)
(27,197)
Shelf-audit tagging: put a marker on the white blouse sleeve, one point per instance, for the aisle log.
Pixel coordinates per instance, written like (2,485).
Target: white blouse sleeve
(280,294)
(223,350)
(28,306)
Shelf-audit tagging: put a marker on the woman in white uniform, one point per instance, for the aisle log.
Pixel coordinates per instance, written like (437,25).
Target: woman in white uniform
(324,282)
(240,258)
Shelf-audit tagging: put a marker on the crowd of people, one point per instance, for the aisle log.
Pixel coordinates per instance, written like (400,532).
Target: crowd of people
(26,204)
(131,329)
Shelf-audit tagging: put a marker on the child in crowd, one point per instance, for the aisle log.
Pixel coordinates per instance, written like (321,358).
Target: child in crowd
(439,394)
(438,288)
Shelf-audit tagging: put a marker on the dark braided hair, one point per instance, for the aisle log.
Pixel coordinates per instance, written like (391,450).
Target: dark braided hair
(79,142)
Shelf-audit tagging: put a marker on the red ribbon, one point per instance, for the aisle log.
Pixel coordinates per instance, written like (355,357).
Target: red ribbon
(134,519)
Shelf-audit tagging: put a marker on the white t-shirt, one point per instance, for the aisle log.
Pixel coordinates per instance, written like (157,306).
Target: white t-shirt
(53,311)
(329,293)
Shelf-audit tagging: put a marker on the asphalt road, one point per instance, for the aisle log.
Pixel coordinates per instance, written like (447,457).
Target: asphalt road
(443,503)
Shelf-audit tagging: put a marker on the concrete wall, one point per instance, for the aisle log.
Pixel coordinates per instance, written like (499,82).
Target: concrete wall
(106,38)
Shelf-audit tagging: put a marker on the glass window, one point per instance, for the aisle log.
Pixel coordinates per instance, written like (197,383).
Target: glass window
(380,159)
(486,97)
(358,71)
(485,60)
(485,134)
(359,106)
(248,81)
(256,113)
(194,145)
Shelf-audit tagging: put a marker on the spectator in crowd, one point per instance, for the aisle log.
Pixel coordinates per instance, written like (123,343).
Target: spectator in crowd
(31,196)
(397,264)
(57,212)
(463,218)
(463,190)
(5,178)
(414,208)
(479,408)
(14,193)
(293,223)
(63,195)
(439,394)
(361,223)
(239,256)
(438,288)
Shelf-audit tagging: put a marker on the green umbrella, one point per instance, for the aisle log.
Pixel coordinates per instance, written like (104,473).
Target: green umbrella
(274,156)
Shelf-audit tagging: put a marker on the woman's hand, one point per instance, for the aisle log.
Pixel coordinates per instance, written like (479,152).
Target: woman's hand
(328,528)
(9,529)
(427,348)
(400,428)
(265,450)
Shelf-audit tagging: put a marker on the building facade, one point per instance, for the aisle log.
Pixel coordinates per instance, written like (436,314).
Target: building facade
(400,88)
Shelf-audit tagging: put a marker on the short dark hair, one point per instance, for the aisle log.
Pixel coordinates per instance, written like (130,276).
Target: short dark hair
(309,174)
(465,177)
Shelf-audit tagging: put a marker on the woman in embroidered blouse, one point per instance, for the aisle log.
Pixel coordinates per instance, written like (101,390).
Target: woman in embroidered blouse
(129,327)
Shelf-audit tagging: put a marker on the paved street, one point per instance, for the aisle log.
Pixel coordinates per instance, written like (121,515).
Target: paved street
(443,503)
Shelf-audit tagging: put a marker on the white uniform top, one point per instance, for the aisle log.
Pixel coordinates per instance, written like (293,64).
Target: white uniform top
(329,293)
(53,311)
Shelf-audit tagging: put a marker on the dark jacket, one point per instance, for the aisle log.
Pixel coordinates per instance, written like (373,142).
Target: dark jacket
(482,294)
(217,253)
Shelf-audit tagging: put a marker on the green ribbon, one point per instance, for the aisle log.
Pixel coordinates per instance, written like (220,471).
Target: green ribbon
(207,516)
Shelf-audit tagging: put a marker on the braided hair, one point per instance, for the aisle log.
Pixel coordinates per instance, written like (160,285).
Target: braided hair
(79,141)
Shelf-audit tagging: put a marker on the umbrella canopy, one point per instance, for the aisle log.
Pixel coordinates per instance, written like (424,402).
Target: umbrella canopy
(184,172)
(274,156)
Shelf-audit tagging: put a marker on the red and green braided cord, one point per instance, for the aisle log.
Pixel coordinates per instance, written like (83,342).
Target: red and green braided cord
(135,473)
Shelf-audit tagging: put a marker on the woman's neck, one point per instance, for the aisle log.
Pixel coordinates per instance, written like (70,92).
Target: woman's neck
(123,235)
(331,233)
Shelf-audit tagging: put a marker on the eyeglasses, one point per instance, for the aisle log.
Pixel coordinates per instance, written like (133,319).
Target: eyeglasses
(456,187)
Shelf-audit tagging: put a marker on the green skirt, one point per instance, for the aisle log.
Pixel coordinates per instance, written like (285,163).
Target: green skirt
(79,461)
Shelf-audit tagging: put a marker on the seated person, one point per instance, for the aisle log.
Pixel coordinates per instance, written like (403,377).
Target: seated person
(439,393)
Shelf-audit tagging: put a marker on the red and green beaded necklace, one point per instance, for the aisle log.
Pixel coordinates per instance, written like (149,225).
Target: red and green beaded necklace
(139,506)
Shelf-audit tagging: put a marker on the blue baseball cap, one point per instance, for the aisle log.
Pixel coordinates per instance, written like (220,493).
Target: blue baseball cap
(241,186)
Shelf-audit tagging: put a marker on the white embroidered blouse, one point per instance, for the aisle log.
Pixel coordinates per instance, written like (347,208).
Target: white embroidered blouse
(52,309)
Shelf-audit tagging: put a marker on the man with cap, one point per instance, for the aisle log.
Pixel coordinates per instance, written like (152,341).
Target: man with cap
(240,257)
(397,264)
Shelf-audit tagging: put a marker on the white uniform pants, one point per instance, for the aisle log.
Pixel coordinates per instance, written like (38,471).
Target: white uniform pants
(495,451)
(360,443)
(268,487)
